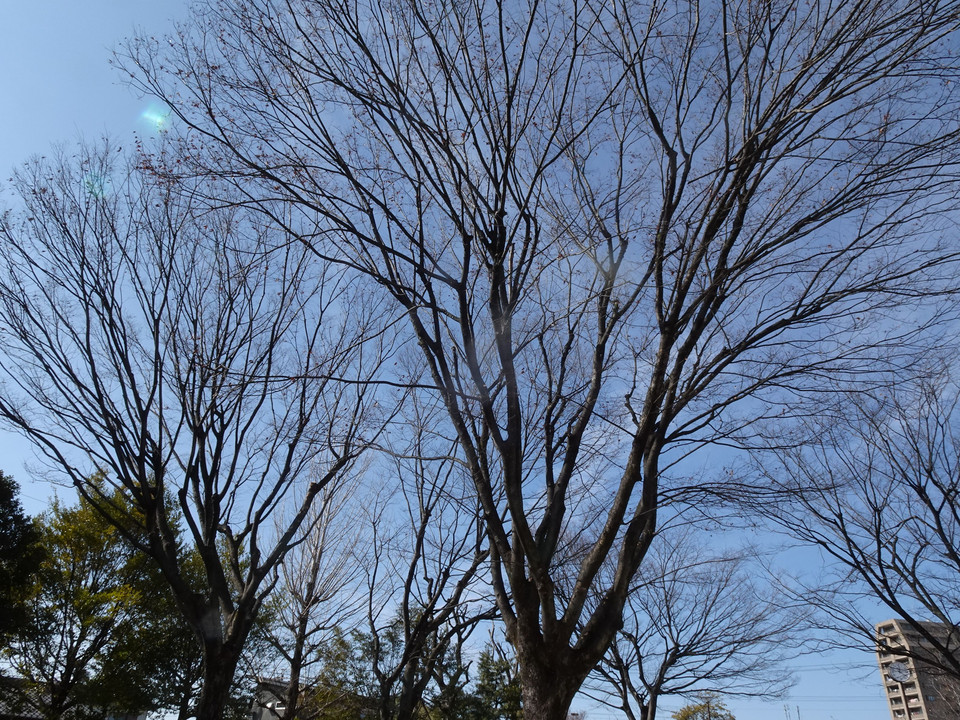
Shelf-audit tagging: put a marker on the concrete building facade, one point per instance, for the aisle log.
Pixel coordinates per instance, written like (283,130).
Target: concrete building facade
(915,688)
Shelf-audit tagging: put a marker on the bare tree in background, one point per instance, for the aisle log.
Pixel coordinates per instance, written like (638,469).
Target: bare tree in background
(697,620)
(375,607)
(618,232)
(425,594)
(316,595)
(876,492)
(206,366)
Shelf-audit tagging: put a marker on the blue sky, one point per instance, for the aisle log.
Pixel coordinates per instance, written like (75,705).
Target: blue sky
(57,84)
(57,87)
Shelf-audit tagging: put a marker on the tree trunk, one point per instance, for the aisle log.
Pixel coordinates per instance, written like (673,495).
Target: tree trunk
(546,695)
(650,710)
(549,684)
(221,655)
(185,709)
(293,694)
(218,670)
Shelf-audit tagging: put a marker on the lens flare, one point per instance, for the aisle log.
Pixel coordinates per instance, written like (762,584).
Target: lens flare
(96,185)
(157,116)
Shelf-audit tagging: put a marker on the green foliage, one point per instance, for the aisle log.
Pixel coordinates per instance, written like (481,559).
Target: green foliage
(102,631)
(20,553)
(707,707)
(348,687)
(498,695)
(155,653)
(79,599)
(343,663)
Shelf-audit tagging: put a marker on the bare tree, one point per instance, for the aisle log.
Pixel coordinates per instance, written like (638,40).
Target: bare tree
(204,365)
(317,594)
(375,608)
(876,492)
(618,232)
(698,620)
(424,593)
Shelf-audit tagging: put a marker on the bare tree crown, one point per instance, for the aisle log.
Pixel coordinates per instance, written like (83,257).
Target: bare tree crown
(615,232)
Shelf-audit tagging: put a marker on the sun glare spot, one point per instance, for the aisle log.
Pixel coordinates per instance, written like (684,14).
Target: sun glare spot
(158,117)
(96,185)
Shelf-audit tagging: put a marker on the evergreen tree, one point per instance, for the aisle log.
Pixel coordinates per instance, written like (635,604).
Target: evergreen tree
(19,556)
(498,693)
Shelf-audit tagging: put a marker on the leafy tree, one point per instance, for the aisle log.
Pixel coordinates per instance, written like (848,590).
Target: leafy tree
(616,233)
(497,692)
(707,707)
(154,662)
(19,555)
(80,602)
(103,632)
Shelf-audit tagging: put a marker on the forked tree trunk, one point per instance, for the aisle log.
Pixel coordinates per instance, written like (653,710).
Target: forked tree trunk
(650,709)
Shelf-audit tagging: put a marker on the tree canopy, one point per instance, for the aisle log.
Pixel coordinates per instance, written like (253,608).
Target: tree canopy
(707,707)
(19,554)
(102,633)
(616,234)
(598,239)
(182,353)
(875,491)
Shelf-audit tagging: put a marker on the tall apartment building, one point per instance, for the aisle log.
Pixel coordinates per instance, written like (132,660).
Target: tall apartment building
(916,690)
